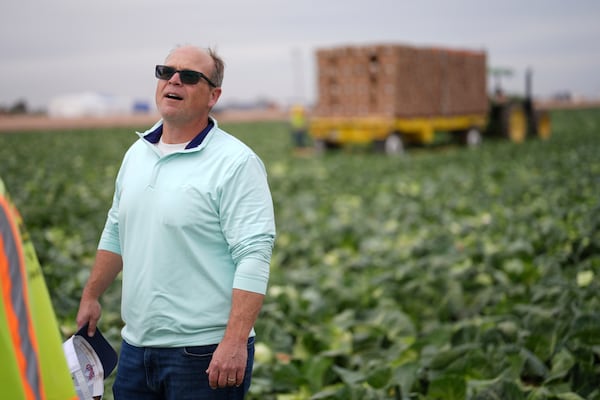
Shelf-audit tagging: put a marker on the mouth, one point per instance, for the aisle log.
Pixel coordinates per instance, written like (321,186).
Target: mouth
(173,96)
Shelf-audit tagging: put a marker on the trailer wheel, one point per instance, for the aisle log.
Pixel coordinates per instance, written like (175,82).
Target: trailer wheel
(471,137)
(393,144)
(322,146)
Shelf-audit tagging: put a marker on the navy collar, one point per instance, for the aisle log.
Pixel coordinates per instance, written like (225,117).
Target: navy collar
(154,136)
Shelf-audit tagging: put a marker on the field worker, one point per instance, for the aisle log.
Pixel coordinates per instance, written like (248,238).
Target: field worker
(298,125)
(32,362)
(192,229)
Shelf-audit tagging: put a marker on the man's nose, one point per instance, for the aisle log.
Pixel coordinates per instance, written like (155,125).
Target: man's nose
(175,79)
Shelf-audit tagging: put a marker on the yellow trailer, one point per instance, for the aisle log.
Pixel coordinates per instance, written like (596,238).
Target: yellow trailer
(394,95)
(390,135)
(510,120)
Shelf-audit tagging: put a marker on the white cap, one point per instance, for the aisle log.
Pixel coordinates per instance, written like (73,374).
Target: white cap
(85,367)
(89,360)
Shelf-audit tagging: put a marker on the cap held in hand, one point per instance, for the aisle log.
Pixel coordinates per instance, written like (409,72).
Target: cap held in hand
(90,360)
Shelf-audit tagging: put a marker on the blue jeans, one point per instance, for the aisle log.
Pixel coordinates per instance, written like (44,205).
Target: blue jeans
(151,373)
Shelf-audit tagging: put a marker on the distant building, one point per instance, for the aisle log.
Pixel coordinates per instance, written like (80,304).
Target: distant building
(92,104)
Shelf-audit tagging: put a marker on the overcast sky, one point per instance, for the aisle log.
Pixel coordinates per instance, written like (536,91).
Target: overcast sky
(52,48)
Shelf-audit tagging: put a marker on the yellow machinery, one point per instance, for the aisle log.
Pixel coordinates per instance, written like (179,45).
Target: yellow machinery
(391,134)
(389,96)
(512,120)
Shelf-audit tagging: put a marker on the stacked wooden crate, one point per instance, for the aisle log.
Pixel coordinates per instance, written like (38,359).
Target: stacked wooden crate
(400,81)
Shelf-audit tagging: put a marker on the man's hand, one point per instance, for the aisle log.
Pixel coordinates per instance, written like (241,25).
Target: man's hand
(89,311)
(228,364)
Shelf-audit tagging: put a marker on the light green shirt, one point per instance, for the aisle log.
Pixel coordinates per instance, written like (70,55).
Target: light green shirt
(190,226)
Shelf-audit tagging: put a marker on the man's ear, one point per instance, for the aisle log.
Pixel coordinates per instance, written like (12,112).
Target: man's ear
(214,97)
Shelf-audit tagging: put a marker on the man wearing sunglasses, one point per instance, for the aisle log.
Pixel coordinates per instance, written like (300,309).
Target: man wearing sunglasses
(191,228)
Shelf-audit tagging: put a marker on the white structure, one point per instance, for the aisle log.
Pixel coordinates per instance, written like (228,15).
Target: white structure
(89,104)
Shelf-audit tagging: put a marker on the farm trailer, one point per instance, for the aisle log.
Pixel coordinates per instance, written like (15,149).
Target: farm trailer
(393,95)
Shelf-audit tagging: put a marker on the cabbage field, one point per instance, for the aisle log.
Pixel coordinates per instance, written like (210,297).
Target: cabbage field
(448,273)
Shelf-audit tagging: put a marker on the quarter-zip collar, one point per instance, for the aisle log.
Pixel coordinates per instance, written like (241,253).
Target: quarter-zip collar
(154,134)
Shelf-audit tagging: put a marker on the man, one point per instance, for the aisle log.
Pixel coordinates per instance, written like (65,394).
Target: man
(191,228)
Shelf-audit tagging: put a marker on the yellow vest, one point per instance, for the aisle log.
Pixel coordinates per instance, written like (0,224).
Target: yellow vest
(32,361)
(297,118)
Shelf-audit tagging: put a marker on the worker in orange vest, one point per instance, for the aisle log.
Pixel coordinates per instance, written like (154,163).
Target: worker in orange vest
(32,361)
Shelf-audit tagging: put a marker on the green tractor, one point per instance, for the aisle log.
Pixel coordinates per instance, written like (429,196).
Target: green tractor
(516,118)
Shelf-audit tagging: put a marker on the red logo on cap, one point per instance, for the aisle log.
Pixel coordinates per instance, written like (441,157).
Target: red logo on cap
(89,372)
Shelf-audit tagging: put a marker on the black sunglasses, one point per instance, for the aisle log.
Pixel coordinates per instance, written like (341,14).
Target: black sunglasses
(187,76)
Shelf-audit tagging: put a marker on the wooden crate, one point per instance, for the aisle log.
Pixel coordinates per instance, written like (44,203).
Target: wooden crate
(400,81)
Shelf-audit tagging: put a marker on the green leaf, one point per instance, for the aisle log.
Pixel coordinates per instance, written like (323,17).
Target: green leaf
(534,368)
(405,376)
(315,371)
(447,387)
(569,396)
(562,362)
(497,389)
(586,329)
(350,377)
(380,377)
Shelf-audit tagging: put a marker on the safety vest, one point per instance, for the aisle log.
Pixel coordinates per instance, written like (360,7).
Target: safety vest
(297,118)
(32,361)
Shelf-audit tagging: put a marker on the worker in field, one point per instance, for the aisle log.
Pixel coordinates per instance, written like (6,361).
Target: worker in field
(32,362)
(191,228)
(298,126)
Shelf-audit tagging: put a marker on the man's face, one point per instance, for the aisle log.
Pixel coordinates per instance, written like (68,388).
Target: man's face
(184,103)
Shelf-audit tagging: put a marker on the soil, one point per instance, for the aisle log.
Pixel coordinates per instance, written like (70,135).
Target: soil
(19,123)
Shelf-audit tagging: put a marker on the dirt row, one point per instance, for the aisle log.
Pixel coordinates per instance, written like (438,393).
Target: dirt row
(20,123)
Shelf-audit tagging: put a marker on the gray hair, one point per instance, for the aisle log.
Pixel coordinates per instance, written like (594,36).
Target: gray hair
(219,71)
